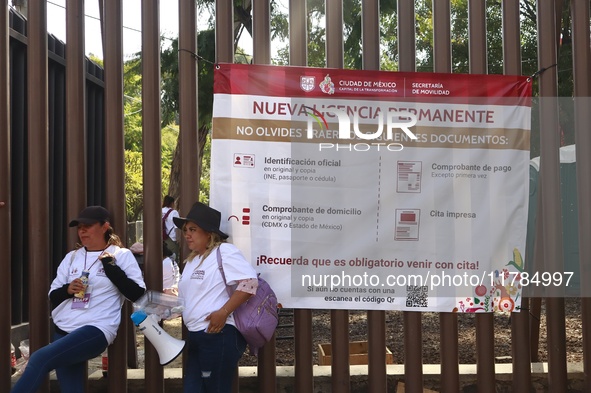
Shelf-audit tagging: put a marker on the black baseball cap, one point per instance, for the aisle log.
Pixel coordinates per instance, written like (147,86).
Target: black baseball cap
(91,215)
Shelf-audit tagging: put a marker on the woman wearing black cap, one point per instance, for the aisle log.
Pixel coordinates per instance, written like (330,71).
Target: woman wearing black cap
(215,345)
(86,298)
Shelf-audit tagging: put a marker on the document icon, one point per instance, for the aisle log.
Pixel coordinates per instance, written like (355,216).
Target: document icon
(407,224)
(409,176)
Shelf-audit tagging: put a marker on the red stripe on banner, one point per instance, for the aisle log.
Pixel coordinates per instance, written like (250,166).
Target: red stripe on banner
(302,82)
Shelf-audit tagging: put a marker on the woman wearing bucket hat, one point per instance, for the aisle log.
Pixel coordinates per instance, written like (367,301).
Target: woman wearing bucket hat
(215,345)
(86,311)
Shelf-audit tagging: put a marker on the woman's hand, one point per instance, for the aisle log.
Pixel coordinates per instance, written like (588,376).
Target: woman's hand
(171,291)
(75,286)
(217,321)
(107,257)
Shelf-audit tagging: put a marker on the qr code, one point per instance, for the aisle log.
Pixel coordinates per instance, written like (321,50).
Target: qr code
(416,296)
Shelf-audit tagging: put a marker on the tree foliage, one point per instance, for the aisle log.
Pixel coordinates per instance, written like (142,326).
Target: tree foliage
(133,185)
(133,144)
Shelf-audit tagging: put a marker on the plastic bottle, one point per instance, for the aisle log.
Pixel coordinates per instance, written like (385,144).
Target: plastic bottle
(105,363)
(84,278)
(12,358)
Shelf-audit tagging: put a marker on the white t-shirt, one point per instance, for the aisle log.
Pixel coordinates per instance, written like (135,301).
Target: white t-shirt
(170,273)
(170,227)
(203,288)
(104,306)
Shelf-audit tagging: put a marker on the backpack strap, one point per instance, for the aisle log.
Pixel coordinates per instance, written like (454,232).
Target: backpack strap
(219,256)
(164,222)
(72,258)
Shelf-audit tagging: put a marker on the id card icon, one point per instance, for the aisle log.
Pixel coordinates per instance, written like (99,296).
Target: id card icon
(244,160)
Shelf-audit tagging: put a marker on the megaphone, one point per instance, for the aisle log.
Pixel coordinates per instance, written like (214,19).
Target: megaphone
(168,347)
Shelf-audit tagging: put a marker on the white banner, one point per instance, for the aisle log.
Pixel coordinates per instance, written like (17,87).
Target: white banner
(375,190)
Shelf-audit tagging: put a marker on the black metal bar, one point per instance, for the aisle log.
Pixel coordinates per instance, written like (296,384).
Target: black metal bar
(450,378)
(485,353)
(302,318)
(262,55)
(224,31)
(520,348)
(477,36)
(18,179)
(413,343)
(339,319)
(304,378)
(485,356)
(582,86)
(549,187)
(114,169)
(38,179)
(413,352)
(442,36)
(298,33)
(75,114)
(152,171)
(406,35)
(511,38)
(261,31)
(5,281)
(189,189)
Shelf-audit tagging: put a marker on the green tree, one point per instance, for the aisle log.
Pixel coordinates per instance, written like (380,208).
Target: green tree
(132,109)
(133,185)
(205,60)
(206,52)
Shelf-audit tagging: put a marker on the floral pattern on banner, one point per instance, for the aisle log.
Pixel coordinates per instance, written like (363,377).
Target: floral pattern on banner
(502,292)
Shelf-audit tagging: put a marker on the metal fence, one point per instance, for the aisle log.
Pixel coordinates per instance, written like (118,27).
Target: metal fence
(47,114)
(20,175)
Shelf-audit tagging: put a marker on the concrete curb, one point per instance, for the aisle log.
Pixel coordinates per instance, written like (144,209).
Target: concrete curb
(359,380)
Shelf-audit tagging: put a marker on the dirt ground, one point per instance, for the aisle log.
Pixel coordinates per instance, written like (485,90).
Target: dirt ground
(395,336)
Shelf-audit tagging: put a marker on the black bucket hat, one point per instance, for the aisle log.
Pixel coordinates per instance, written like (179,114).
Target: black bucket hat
(205,217)
(91,215)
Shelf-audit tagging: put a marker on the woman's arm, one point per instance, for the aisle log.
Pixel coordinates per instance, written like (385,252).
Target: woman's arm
(238,297)
(128,287)
(217,319)
(57,296)
(60,290)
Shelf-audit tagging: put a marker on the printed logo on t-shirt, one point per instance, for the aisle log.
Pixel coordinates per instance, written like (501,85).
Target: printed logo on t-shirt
(198,274)
(74,271)
(101,272)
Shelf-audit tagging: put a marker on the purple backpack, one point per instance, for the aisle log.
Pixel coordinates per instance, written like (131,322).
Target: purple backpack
(257,318)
